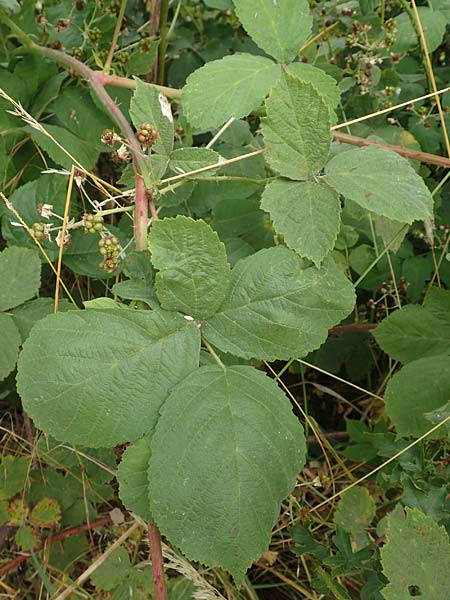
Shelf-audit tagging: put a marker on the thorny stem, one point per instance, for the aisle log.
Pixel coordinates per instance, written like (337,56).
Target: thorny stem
(163,40)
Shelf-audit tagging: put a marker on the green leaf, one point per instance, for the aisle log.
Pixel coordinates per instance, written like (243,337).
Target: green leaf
(26,538)
(112,571)
(114,370)
(132,476)
(241,82)
(413,332)
(419,387)
(46,513)
(13,475)
(20,274)
(433,24)
(11,6)
(184,160)
(48,189)
(324,84)
(26,315)
(225,453)
(9,345)
(138,267)
(276,308)
(416,557)
(297,128)
(193,272)
(148,105)
(306,213)
(354,513)
(76,110)
(77,150)
(373,176)
(279,28)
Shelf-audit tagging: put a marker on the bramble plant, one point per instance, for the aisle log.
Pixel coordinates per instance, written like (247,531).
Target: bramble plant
(224,260)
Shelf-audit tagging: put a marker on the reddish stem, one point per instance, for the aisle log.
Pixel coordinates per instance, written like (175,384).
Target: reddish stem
(352,327)
(154,537)
(58,537)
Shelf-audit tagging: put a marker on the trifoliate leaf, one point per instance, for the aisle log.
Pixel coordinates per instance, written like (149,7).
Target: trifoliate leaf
(20,274)
(297,128)
(418,388)
(416,557)
(324,84)
(279,28)
(193,272)
(225,452)
(132,476)
(148,105)
(99,377)
(306,213)
(381,181)
(241,82)
(9,345)
(276,308)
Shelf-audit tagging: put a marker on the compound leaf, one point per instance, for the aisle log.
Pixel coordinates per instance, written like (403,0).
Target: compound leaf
(381,181)
(99,377)
(297,128)
(225,452)
(279,28)
(241,82)
(276,308)
(184,160)
(194,274)
(416,557)
(306,213)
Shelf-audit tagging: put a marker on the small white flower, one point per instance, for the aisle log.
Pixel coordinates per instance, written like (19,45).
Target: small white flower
(45,210)
(123,153)
(67,238)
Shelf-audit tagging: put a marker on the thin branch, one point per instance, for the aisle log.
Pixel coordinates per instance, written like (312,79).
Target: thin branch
(154,539)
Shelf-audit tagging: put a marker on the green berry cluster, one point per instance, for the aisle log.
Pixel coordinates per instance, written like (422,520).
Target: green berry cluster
(110,249)
(95,36)
(39,231)
(114,7)
(93,223)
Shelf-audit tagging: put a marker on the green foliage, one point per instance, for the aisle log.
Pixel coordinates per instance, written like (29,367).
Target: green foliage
(20,272)
(95,400)
(277,307)
(307,213)
(354,513)
(369,176)
(193,272)
(416,557)
(297,129)
(272,27)
(156,375)
(241,83)
(228,482)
